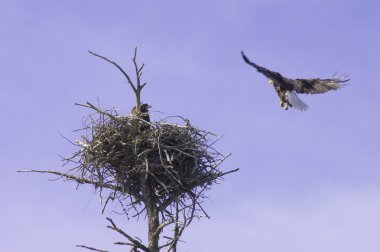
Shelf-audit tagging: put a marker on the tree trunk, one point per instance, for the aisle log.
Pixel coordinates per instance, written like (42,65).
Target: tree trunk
(152,213)
(153,224)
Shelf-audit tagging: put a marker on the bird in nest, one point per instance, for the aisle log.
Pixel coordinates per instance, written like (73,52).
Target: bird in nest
(143,115)
(287,88)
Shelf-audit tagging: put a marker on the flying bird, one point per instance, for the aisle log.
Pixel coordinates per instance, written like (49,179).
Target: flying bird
(287,88)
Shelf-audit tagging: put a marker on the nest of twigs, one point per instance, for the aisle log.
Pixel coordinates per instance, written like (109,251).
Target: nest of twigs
(127,152)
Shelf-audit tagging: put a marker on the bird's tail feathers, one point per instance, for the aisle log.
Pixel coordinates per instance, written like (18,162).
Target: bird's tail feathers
(296,102)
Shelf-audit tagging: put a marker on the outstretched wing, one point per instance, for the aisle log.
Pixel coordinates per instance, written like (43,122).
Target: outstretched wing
(274,76)
(318,86)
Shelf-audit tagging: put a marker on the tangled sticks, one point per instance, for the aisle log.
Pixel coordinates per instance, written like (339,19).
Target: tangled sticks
(176,161)
(167,167)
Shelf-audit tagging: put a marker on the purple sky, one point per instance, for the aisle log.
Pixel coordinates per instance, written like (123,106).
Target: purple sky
(309,181)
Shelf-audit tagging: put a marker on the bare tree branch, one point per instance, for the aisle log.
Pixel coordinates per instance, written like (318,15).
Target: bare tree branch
(80,180)
(121,70)
(89,105)
(90,248)
(131,239)
(163,225)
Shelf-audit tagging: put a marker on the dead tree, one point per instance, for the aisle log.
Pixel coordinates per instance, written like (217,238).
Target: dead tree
(160,169)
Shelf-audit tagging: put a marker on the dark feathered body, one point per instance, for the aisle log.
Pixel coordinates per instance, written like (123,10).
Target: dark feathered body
(143,114)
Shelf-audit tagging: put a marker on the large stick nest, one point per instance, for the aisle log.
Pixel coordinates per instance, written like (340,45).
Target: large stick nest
(128,152)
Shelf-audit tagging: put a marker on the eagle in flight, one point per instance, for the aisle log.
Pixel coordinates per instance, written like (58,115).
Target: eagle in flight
(287,89)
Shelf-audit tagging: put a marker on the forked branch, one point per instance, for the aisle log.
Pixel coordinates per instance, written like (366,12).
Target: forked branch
(137,88)
(130,238)
(121,69)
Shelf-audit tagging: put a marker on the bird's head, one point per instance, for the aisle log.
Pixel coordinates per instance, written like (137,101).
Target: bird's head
(270,82)
(145,107)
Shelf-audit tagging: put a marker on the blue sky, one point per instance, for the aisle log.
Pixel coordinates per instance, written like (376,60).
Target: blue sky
(308,181)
